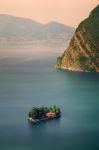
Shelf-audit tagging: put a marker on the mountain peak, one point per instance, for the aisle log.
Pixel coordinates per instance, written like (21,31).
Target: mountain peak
(95,12)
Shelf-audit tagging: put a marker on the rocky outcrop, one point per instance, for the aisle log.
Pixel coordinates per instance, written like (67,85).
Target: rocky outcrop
(82,54)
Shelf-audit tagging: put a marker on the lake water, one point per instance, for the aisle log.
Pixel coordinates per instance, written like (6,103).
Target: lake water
(28,78)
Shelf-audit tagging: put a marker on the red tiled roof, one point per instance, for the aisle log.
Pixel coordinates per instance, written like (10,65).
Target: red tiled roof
(50,114)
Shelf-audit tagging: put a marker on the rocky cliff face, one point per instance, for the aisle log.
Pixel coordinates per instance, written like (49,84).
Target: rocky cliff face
(82,54)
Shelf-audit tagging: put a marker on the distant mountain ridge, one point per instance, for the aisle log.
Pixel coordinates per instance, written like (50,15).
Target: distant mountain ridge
(23,29)
(82,53)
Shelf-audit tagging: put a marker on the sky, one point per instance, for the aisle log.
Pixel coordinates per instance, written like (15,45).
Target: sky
(69,12)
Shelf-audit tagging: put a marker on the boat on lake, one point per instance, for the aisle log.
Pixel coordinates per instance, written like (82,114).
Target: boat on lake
(38,114)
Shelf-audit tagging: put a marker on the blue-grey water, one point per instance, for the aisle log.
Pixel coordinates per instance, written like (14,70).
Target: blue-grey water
(28,78)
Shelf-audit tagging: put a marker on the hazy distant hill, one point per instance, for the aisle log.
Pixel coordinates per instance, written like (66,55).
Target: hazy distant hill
(21,29)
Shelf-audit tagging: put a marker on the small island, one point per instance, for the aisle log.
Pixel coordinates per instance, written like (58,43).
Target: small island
(38,114)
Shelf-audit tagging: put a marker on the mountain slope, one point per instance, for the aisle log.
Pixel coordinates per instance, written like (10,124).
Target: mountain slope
(82,53)
(21,29)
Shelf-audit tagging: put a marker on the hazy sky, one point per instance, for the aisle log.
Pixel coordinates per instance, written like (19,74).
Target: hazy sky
(69,12)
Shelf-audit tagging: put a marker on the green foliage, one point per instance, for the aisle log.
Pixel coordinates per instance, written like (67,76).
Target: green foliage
(84,63)
(59,61)
(68,55)
(82,59)
(75,47)
(91,26)
(39,113)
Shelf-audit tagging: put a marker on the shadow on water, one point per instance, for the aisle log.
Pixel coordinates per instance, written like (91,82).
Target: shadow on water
(78,74)
(44,123)
(78,77)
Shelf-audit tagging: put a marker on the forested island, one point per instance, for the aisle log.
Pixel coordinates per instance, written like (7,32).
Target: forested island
(38,114)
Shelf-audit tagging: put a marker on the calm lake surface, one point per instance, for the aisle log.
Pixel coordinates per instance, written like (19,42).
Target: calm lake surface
(28,78)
